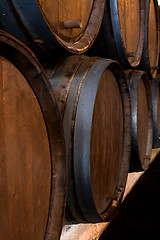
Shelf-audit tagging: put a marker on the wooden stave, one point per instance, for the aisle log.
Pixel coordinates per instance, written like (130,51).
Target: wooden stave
(34,22)
(26,63)
(145,61)
(119,193)
(133,78)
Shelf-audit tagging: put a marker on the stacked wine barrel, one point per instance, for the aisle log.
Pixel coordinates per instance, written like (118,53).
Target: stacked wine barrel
(74,125)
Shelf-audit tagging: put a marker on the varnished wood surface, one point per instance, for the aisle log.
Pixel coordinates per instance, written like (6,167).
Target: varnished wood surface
(129,19)
(94,231)
(58,11)
(106,140)
(25,164)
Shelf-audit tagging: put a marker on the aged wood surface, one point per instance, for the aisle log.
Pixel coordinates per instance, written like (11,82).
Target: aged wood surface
(57,12)
(129,18)
(107,132)
(93,231)
(25,163)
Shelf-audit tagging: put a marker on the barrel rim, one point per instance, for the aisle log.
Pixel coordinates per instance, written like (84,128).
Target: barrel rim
(79,46)
(134,78)
(24,60)
(117,70)
(118,36)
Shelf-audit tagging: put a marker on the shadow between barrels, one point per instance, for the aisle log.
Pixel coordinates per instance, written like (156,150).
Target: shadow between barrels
(139,214)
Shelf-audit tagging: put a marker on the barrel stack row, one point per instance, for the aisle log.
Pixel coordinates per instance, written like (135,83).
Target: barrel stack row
(73,125)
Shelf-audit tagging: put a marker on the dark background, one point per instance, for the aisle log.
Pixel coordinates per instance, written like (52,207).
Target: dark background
(139,214)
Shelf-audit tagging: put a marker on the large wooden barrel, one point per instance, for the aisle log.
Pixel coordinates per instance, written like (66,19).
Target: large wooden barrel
(32,157)
(142,122)
(48,23)
(150,56)
(93,98)
(121,35)
(156,111)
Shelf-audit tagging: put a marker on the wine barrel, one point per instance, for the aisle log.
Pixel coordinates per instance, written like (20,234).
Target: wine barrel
(32,157)
(156,111)
(72,24)
(150,56)
(142,122)
(121,35)
(93,99)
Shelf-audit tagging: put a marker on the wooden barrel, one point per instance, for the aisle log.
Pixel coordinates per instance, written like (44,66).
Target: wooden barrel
(32,157)
(156,111)
(72,24)
(142,122)
(93,98)
(150,56)
(121,35)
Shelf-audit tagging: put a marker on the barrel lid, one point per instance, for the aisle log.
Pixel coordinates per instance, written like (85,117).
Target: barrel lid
(74,25)
(33,157)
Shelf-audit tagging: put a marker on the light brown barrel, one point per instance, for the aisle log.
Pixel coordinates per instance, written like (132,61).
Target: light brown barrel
(142,121)
(93,98)
(32,157)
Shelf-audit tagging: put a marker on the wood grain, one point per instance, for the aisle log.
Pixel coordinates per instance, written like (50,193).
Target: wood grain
(56,12)
(25,165)
(129,19)
(106,141)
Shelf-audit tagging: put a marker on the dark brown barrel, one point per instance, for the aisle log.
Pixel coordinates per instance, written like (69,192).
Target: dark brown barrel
(142,122)
(93,98)
(150,56)
(48,23)
(156,111)
(121,34)
(32,156)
